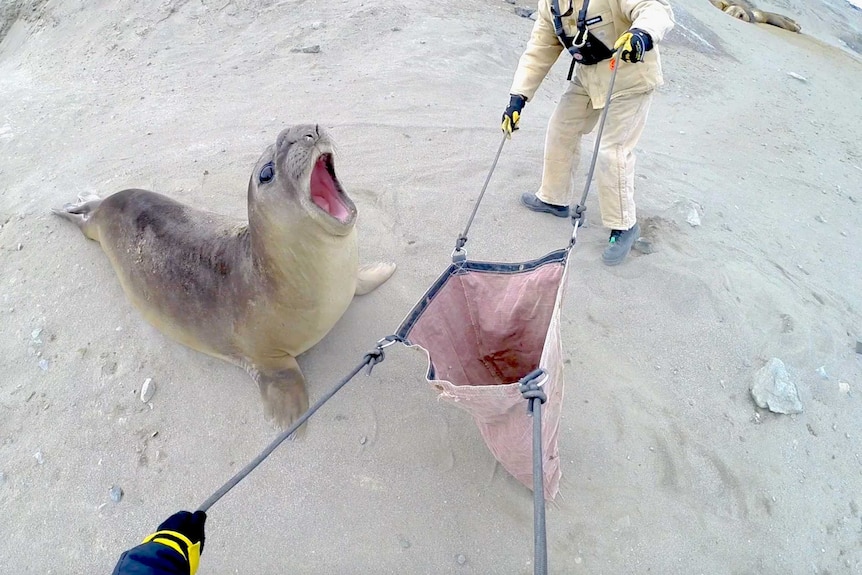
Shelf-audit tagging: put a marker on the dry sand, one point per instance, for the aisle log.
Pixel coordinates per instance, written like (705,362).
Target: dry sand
(666,467)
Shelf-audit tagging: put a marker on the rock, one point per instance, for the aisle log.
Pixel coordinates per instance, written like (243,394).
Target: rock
(859,346)
(116,493)
(843,387)
(405,544)
(693,218)
(2,478)
(461,559)
(820,219)
(147,390)
(685,209)
(20,247)
(774,391)
(524,12)
(363,440)
(510,1)
(35,336)
(307,49)
(40,459)
(797,76)
(534,16)
(43,364)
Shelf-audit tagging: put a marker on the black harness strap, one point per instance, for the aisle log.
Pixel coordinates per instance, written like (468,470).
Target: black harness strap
(585,48)
(569,41)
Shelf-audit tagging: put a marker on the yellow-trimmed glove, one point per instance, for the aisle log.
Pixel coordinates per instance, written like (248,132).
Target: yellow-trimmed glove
(513,114)
(183,532)
(635,43)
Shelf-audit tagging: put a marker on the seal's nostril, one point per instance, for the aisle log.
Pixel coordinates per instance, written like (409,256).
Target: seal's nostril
(309,137)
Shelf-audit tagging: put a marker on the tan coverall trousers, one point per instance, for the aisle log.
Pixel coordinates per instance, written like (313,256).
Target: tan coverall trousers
(573,117)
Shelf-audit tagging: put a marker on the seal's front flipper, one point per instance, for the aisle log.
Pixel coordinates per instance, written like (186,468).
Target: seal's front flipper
(780,21)
(371,276)
(284,395)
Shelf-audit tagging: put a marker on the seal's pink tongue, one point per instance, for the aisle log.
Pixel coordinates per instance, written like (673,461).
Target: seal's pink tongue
(325,194)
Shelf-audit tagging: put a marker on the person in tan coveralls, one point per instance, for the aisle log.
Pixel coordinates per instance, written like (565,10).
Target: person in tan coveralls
(591,30)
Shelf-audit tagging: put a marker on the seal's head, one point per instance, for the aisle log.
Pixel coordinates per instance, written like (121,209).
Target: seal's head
(298,172)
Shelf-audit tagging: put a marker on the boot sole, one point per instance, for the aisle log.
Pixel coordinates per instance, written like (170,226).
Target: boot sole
(542,209)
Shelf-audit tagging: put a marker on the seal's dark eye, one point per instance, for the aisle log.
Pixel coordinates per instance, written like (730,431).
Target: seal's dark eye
(266,173)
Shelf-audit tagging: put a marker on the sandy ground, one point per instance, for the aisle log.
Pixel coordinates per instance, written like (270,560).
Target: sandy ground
(667,465)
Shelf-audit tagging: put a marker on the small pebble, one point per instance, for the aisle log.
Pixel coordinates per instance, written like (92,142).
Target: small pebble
(20,247)
(362,440)
(843,387)
(797,76)
(859,346)
(147,390)
(461,559)
(2,478)
(40,459)
(693,218)
(820,219)
(35,336)
(116,493)
(524,12)
(404,543)
(43,364)
(307,49)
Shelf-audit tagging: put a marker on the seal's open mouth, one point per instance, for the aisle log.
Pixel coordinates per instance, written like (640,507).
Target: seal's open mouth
(325,191)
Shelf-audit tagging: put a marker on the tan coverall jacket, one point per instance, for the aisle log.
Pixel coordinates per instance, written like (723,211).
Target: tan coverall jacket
(578,109)
(544,47)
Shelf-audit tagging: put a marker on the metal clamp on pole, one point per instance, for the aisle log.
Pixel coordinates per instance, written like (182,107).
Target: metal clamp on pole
(458,254)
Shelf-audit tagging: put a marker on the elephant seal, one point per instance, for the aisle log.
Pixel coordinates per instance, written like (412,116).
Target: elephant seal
(745,10)
(255,293)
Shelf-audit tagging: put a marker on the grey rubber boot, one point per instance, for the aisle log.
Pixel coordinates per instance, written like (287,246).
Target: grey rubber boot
(537,205)
(620,244)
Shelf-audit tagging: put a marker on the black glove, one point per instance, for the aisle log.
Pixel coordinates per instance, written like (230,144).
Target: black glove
(513,113)
(635,43)
(189,524)
(184,532)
